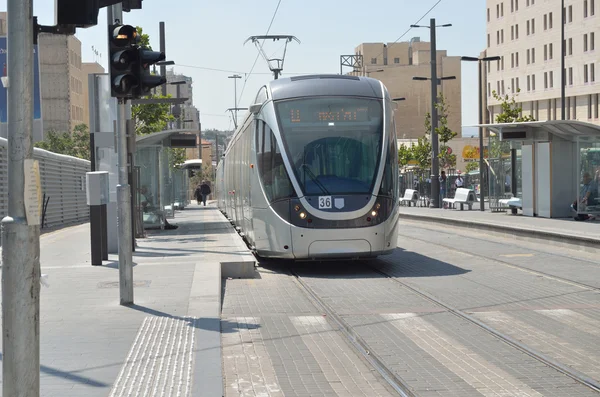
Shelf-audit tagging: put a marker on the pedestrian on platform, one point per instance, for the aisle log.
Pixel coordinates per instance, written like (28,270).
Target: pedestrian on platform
(204,191)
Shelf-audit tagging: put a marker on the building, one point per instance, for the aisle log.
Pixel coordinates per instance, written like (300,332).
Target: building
(396,64)
(88,68)
(185,91)
(62,79)
(526,34)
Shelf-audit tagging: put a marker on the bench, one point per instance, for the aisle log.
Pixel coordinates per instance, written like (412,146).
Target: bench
(514,203)
(410,196)
(462,196)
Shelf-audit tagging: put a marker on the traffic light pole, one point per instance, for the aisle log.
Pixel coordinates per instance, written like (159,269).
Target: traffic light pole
(20,228)
(124,213)
(114,14)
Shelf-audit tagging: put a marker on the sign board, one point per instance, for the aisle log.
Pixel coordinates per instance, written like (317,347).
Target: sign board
(38,133)
(33,192)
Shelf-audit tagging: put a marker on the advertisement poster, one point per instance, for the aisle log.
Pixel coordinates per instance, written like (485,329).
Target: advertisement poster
(37,102)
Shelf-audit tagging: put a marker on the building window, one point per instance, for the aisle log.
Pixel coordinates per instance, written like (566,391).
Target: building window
(528,28)
(489,41)
(585,8)
(497,65)
(528,83)
(488,14)
(545,52)
(551,78)
(592,11)
(596,105)
(589,106)
(517,81)
(533,82)
(517,31)
(489,89)
(549,114)
(574,108)
(550,51)
(570,76)
(512,60)
(498,37)
(396,60)
(503,91)
(545,22)
(585,42)
(501,9)
(502,62)
(592,39)
(570,14)
(497,11)
(533,55)
(517,59)
(546,80)
(516,5)
(373,61)
(498,87)
(528,56)
(550,21)
(512,84)
(592,72)
(585,73)
(512,32)
(533,26)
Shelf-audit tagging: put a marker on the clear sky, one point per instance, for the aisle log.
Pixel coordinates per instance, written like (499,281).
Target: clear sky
(203,35)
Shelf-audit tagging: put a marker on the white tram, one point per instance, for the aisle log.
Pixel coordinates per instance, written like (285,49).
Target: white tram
(312,172)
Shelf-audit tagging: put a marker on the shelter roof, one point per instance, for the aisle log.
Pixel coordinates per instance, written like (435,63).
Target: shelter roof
(566,129)
(164,138)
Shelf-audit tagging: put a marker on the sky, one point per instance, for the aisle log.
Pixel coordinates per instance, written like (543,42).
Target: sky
(205,39)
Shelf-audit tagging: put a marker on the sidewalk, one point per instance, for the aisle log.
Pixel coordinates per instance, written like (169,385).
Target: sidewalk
(584,235)
(168,340)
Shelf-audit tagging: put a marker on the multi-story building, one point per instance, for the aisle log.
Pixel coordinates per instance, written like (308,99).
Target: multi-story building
(526,34)
(62,79)
(396,64)
(88,68)
(185,91)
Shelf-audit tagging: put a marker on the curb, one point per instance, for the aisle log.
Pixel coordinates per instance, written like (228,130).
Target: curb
(580,243)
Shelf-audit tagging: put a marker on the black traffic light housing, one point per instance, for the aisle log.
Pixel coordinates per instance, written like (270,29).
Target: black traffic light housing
(146,80)
(81,13)
(123,69)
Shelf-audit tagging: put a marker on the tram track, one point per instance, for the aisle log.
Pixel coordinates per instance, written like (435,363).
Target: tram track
(509,264)
(396,382)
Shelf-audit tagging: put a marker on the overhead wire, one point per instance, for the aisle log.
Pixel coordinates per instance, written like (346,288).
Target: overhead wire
(258,55)
(410,28)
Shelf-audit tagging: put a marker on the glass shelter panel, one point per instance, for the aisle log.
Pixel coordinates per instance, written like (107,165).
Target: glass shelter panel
(588,178)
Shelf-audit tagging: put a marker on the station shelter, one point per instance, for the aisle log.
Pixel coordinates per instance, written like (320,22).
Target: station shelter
(559,166)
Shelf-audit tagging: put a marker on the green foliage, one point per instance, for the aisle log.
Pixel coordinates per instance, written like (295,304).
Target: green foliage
(144,38)
(76,143)
(471,166)
(511,110)
(152,117)
(176,156)
(404,155)
(511,113)
(421,152)
(445,134)
(206,174)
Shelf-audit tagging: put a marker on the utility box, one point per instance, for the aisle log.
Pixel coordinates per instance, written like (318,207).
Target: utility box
(97,188)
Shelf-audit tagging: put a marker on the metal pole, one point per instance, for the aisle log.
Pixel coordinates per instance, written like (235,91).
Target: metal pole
(481,190)
(163,68)
(124,214)
(563,15)
(178,106)
(20,236)
(235,95)
(435,181)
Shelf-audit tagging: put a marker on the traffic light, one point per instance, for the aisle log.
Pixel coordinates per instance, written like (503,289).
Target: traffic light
(129,5)
(81,13)
(146,80)
(123,49)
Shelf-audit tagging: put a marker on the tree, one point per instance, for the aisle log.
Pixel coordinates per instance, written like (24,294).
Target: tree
(205,174)
(511,113)
(445,134)
(151,117)
(404,155)
(144,38)
(76,144)
(471,166)
(421,153)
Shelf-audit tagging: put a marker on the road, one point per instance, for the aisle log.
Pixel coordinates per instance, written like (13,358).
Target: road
(450,313)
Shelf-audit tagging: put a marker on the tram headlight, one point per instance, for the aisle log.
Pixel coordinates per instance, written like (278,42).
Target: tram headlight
(377,206)
(302,215)
(296,208)
(373,213)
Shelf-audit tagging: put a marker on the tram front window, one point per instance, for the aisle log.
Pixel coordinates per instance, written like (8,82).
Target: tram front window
(334,143)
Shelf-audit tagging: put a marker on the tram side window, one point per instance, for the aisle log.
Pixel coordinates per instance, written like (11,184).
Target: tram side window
(390,177)
(271,168)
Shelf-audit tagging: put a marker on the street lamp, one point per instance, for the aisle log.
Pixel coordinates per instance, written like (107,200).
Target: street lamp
(235,77)
(479,61)
(435,165)
(178,106)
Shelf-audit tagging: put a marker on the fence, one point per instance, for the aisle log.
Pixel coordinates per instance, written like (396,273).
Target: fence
(63,185)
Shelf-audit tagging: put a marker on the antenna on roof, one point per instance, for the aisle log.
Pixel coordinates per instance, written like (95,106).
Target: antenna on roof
(278,62)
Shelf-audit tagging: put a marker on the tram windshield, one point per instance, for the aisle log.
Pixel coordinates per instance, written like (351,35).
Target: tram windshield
(334,143)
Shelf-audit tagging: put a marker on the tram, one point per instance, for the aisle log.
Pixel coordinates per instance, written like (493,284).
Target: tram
(312,171)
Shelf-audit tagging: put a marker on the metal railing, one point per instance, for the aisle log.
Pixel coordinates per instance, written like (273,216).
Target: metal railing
(63,185)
